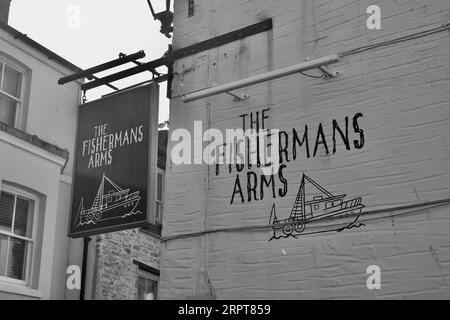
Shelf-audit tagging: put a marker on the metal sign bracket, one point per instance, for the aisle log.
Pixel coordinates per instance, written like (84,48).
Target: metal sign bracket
(329,74)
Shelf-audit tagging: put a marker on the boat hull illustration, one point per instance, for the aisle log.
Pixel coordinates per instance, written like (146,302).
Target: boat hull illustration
(117,203)
(124,209)
(320,208)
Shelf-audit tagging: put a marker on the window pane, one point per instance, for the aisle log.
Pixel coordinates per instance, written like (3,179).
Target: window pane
(22,221)
(7,110)
(3,251)
(1,71)
(12,82)
(158,219)
(147,289)
(17,257)
(159,187)
(152,290)
(6,211)
(141,288)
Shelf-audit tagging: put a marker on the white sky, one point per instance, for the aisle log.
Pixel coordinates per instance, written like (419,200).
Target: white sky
(106,29)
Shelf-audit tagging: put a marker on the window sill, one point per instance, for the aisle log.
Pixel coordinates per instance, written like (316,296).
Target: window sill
(152,230)
(19,290)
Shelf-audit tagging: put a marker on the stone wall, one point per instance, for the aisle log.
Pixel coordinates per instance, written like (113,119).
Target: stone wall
(115,273)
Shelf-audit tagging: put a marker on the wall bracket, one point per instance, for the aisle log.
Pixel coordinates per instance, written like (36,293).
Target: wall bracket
(223,39)
(329,74)
(242,97)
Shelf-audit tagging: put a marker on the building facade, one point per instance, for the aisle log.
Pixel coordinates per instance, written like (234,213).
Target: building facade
(37,137)
(38,126)
(367,149)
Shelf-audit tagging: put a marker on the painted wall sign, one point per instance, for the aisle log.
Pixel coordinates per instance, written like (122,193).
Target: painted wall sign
(114,162)
(302,144)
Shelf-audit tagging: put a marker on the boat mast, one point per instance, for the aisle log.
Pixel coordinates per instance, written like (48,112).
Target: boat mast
(303,197)
(99,197)
(299,204)
(274,215)
(80,212)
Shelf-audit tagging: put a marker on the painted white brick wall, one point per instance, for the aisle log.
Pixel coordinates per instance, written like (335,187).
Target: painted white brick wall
(401,90)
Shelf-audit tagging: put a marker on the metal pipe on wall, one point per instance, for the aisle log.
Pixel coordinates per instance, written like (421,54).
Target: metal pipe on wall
(304,66)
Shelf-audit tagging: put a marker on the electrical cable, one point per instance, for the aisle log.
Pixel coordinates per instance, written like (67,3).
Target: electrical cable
(394,41)
(431,204)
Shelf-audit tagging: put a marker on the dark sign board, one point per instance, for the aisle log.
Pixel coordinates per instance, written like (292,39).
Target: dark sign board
(114,162)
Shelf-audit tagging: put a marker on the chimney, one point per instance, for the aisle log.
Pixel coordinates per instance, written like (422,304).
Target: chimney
(4,10)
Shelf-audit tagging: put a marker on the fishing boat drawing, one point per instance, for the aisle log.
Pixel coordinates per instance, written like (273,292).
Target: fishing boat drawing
(110,202)
(320,207)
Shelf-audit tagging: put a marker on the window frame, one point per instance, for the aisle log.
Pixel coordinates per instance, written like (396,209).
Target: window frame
(19,101)
(161,201)
(31,247)
(148,276)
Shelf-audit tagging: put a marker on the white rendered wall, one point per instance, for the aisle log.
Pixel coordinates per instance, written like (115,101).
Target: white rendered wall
(51,115)
(401,90)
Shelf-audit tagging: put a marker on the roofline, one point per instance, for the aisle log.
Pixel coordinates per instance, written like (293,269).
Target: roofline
(50,54)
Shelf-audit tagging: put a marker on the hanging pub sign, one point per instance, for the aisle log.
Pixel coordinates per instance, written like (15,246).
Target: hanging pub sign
(115,162)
